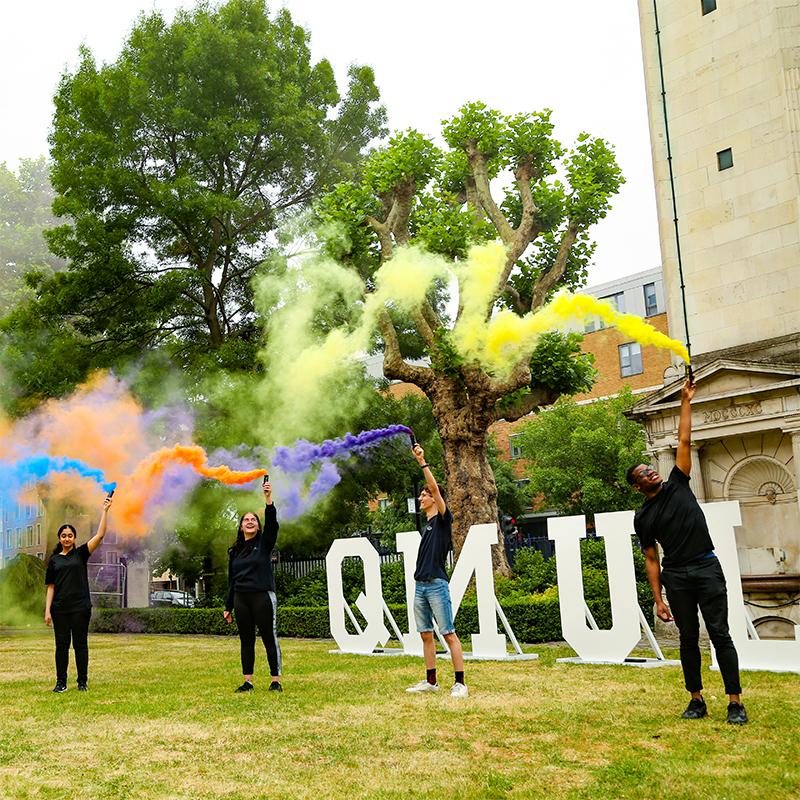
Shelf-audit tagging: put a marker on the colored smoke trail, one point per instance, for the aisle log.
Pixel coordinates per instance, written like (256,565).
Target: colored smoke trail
(195,457)
(18,473)
(294,466)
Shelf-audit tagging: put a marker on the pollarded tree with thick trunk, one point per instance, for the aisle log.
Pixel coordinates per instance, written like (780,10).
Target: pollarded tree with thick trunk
(413,193)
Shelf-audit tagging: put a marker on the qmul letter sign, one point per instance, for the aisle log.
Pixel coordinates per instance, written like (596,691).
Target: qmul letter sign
(612,646)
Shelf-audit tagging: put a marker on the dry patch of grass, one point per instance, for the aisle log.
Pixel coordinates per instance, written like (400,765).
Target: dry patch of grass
(161,721)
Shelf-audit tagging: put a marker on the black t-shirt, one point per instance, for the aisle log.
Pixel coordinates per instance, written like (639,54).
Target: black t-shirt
(69,576)
(433,548)
(674,518)
(250,570)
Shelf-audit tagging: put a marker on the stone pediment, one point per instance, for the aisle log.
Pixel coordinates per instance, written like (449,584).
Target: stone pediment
(725,382)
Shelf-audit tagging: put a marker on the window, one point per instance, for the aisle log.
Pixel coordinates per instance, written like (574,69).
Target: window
(19,537)
(40,556)
(9,537)
(708,6)
(725,159)
(616,300)
(29,536)
(383,503)
(591,326)
(41,508)
(630,359)
(650,302)
(515,449)
(38,533)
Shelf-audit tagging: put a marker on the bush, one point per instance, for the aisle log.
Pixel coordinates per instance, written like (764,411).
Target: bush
(22,590)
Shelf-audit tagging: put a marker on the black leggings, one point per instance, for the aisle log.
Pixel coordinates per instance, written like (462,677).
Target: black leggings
(75,626)
(251,609)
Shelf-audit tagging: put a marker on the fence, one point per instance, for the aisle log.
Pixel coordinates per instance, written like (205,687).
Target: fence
(107,584)
(301,567)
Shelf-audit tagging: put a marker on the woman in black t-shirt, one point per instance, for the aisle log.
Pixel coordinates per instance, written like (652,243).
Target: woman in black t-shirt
(68,604)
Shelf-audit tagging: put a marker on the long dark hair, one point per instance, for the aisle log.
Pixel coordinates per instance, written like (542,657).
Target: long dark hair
(58,548)
(242,546)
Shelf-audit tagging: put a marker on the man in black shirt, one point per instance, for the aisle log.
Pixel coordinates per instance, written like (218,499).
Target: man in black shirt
(432,589)
(689,571)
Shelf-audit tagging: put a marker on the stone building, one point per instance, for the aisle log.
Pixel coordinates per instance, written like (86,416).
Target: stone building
(723,86)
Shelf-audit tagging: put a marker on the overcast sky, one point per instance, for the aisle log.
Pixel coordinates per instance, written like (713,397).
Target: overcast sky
(581,59)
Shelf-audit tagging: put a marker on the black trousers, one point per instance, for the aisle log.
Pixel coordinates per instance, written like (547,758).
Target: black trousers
(257,608)
(702,585)
(75,626)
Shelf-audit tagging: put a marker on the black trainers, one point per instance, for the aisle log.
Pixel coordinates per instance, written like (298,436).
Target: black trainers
(696,709)
(82,687)
(275,686)
(61,686)
(736,714)
(245,687)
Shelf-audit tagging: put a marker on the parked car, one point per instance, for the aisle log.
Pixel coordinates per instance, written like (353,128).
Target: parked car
(172,598)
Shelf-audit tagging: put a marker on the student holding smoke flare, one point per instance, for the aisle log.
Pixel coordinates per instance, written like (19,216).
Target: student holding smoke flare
(432,594)
(690,572)
(251,590)
(68,604)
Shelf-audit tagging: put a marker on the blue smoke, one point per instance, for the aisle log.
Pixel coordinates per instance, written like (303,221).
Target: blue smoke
(15,474)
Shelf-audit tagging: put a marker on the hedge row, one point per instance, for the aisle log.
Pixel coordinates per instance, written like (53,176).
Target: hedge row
(532,620)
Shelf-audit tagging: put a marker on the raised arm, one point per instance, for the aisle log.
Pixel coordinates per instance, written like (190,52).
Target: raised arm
(683,458)
(433,487)
(95,541)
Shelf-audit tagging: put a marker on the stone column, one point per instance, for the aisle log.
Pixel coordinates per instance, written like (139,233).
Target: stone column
(796,453)
(698,484)
(665,458)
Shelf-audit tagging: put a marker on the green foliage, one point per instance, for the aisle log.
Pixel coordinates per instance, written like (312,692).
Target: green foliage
(22,590)
(173,165)
(578,456)
(511,497)
(25,213)
(558,363)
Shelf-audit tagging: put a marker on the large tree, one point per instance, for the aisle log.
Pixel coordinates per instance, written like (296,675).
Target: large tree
(176,163)
(578,456)
(412,192)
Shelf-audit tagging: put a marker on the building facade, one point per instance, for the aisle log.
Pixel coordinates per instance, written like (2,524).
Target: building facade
(723,90)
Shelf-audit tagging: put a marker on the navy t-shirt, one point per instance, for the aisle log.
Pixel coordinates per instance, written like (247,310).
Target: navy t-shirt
(68,574)
(433,548)
(674,518)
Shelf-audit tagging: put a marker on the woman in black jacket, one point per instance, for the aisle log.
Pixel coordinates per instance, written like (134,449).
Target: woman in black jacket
(251,591)
(68,604)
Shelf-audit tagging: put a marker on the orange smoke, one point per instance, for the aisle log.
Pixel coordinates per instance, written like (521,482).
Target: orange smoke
(135,491)
(194,456)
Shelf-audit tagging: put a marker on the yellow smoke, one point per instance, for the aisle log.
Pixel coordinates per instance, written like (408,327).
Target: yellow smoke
(498,343)
(306,380)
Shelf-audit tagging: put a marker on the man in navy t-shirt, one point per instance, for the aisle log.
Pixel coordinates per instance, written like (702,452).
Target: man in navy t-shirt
(689,571)
(432,591)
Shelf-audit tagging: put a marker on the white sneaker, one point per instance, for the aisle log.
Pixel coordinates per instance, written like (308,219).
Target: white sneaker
(459,690)
(424,686)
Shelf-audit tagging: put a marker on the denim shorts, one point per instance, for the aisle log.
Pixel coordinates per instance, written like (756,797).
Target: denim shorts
(432,599)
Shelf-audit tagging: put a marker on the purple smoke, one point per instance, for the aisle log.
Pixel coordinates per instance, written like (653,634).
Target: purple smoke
(294,465)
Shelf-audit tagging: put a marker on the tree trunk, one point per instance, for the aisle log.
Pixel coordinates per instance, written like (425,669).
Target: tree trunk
(471,490)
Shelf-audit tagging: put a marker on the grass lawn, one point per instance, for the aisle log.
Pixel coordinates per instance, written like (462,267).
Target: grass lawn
(161,721)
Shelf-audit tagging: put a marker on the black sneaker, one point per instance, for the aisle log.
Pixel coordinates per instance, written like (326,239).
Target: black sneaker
(736,714)
(275,686)
(245,687)
(82,687)
(61,686)
(696,709)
